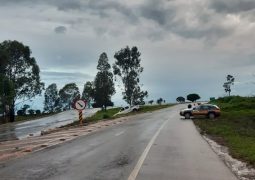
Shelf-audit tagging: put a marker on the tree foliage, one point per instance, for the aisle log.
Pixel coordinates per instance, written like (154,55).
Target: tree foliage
(193,97)
(159,101)
(128,67)
(22,71)
(227,85)
(68,94)
(23,110)
(104,86)
(88,91)
(51,98)
(151,102)
(180,99)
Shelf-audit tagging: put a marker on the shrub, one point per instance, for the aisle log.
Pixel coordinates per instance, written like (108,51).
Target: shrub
(37,112)
(31,111)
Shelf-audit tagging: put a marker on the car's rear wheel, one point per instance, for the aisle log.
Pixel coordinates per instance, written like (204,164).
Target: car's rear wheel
(187,116)
(211,115)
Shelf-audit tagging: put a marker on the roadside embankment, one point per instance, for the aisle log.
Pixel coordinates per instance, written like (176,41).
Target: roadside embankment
(234,131)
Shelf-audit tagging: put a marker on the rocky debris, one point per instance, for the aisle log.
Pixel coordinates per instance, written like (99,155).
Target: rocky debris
(28,150)
(242,170)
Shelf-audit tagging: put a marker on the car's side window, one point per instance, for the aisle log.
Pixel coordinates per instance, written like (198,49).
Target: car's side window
(204,107)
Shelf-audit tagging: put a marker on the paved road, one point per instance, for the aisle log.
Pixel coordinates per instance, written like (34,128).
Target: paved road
(146,147)
(23,129)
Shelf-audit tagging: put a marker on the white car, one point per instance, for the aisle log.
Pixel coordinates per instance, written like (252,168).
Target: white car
(128,110)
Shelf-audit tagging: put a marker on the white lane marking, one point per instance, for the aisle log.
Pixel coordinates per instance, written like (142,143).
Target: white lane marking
(139,164)
(117,134)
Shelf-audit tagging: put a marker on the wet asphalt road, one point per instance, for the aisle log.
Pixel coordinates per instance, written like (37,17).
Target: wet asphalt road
(177,152)
(22,130)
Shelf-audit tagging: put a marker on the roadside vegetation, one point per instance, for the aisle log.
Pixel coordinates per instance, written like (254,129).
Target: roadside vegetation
(235,128)
(109,113)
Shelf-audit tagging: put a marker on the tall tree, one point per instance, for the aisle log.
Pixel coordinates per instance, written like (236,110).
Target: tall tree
(227,85)
(128,67)
(193,97)
(138,96)
(51,98)
(104,86)
(22,71)
(3,79)
(68,94)
(88,91)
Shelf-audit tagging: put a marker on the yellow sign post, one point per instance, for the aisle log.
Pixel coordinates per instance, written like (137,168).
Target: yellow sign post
(80,117)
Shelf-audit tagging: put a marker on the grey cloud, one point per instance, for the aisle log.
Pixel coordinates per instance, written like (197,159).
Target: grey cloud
(168,16)
(233,6)
(64,76)
(67,75)
(68,5)
(157,11)
(60,30)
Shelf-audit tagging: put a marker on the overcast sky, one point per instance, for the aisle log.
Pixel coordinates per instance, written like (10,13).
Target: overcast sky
(187,46)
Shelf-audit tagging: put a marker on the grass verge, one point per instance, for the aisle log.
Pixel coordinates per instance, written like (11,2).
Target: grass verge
(235,128)
(109,114)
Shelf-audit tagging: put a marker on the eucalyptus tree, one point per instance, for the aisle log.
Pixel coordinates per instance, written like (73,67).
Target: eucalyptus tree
(127,66)
(227,85)
(22,71)
(68,94)
(51,98)
(104,85)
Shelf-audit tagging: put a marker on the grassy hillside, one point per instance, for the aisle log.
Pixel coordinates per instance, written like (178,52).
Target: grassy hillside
(235,128)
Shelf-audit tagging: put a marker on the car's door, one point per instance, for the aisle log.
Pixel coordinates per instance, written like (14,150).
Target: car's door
(196,111)
(203,110)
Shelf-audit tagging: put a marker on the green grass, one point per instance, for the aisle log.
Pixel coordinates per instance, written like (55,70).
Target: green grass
(100,115)
(235,128)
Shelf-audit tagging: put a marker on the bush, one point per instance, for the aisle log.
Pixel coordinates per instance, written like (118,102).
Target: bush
(37,112)
(20,112)
(31,111)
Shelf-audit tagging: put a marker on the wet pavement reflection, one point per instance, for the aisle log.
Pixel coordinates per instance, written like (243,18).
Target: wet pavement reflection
(34,127)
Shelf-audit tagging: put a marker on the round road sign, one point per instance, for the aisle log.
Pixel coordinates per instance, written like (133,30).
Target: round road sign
(80,104)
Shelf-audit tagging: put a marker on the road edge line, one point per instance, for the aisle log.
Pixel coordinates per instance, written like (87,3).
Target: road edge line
(139,164)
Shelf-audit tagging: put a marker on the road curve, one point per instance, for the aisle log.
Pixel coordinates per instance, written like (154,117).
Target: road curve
(149,146)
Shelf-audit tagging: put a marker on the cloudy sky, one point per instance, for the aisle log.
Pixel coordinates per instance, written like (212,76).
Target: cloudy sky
(186,45)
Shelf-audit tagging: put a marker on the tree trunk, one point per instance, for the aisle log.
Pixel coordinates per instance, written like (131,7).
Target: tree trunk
(12,113)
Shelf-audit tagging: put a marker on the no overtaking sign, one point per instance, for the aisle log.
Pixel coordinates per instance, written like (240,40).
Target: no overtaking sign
(80,105)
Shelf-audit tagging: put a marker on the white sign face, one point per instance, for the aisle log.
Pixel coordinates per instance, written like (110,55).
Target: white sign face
(80,105)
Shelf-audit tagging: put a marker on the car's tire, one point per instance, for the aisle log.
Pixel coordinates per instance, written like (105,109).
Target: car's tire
(187,115)
(211,115)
